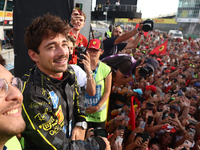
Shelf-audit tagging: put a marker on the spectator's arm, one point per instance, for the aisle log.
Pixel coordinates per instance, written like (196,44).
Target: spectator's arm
(133,134)
(125,36)
(115,112)
(120,80)
(174,74)
(154,128)
(186,102)
(134,43)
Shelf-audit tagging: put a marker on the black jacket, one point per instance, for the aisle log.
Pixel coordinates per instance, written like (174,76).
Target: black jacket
(51,108)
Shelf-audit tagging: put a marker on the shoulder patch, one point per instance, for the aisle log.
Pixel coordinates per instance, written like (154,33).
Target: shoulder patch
(54,99)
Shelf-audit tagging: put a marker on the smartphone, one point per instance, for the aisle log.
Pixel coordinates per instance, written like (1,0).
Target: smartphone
(127,119)
(145,136)
(81,50)
(172,115)
(191,132)
(79,7)
(187,144)
(150,119)
(120,127)
(193,122)
(123,113)
(143,124)
(180,92)
(119,139)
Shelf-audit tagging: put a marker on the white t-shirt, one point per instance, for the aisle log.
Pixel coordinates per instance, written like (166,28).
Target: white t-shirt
(117,3)
(81,75)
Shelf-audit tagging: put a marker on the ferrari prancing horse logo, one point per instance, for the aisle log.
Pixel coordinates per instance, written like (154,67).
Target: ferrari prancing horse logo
(162,47)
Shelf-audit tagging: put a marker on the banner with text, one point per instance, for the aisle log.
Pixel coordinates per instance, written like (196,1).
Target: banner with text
(137,20)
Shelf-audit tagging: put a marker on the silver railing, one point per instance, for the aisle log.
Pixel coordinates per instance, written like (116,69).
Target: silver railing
(112,7)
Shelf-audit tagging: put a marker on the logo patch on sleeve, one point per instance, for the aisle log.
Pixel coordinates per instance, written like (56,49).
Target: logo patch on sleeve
(60,115)
(54,99)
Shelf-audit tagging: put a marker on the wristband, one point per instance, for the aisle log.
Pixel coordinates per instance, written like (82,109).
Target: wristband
(90,78)
(71,25)
(90,73)
(134,133)
(134,78)
(140,34)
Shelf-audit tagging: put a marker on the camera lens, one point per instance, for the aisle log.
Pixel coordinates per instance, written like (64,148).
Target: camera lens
(143,72)
(101,132)
(146,27)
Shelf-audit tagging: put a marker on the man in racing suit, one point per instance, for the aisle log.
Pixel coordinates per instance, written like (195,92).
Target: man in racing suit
(53,107)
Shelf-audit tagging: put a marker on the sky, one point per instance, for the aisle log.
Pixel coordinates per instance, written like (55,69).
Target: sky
(154,8)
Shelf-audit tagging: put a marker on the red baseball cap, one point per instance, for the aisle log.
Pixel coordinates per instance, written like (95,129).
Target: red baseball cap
(167,71)
(94,44)
(151,87)
(158,59)
(173,68)
(161,63)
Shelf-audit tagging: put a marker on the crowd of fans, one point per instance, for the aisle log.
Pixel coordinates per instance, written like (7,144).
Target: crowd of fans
(166,102)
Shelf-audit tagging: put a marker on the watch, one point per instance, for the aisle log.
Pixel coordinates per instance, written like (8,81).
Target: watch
(82,124)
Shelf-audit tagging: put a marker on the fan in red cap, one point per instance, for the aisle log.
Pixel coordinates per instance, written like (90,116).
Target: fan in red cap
(168,128)
(151,87)
(158,59)
(94,44)
(173,68)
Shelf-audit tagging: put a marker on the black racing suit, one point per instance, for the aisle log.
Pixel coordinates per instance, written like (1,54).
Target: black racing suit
(51,108)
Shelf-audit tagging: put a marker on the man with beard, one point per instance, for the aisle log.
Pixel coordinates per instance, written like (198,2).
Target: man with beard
(11,121)
(117,42)
(53,106)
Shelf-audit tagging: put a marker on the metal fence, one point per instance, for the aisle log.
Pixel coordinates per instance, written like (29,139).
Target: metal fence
(112,7)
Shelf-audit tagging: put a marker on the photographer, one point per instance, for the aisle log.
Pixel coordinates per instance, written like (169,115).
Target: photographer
(116,43)
(127,69)
(82,76)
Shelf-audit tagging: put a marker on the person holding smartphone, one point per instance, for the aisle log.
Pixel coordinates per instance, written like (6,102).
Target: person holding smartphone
(96,106)
(81,40)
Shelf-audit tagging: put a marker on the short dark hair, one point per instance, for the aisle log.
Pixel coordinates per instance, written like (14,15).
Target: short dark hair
(42,28)
(2,60)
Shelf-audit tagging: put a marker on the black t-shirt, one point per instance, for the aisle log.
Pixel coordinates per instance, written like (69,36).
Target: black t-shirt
(123,63)
(108,44)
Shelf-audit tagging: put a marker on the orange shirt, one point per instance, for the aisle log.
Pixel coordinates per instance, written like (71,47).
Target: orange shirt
(80,41)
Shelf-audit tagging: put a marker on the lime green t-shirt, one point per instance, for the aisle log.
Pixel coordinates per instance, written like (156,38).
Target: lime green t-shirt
(13,144)
(99,116)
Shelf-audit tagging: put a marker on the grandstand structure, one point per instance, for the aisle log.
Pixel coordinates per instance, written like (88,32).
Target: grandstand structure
(188,17)
(103,11)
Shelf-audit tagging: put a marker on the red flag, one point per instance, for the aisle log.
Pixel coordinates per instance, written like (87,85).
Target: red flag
(145,33)
(132,112)
(160,49)
(132,115)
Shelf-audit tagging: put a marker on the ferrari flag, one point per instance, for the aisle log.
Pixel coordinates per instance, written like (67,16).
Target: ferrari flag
(161,49)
